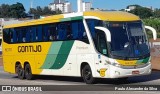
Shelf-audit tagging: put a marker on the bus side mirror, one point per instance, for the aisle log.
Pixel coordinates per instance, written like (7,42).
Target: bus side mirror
(106,31)
(153,31)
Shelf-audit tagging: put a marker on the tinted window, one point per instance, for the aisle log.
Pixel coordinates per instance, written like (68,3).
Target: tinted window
(6,36)
(98,36)
(63,31)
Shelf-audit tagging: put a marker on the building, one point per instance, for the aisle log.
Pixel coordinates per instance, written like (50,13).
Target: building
(59,1)
(61,5)
(131,7)
(87,6)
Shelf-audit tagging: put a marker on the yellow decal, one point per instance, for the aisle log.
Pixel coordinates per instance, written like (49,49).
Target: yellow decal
(127,62)
(102,72)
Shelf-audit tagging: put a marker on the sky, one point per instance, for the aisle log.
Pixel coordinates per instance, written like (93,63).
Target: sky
(102,4)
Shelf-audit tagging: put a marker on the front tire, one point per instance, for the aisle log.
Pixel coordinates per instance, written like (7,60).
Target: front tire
(28,72)
(87,75)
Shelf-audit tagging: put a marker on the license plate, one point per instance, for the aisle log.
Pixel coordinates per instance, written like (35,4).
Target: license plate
(135,72)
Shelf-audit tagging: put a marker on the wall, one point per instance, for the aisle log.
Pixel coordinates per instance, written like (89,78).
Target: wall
(155,53)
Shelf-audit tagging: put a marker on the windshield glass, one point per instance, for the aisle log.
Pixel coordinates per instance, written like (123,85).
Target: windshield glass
(128,39)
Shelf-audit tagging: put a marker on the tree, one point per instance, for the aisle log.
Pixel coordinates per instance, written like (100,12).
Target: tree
(156,13)
(47,11)
(58,11)
(4,11)
(17,10)
(43,12)
(142,12)
(153,22)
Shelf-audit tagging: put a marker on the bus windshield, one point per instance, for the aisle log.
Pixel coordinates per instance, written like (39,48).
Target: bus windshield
(128,40)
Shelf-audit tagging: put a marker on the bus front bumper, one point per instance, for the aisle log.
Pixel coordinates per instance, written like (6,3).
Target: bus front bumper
(117,72)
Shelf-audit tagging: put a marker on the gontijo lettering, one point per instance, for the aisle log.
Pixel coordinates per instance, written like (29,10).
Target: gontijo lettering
(30,48)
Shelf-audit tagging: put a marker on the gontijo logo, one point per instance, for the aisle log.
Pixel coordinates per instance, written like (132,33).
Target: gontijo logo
(30,48)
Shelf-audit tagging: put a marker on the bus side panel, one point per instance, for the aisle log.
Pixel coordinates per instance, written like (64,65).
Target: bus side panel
(27,59)
(86,58)
(8,64)
(39,60)
(84,55)
(70,67)
(47,66)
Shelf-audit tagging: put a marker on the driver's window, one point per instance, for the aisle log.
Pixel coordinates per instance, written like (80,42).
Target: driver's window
(101,42)
(98,36)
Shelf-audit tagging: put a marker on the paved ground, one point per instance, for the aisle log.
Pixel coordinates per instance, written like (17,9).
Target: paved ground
(1,64)
(11,79)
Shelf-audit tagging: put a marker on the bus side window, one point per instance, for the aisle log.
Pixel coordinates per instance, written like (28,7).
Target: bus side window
(19,34)
(52,32)
(75,30)
(82,35)
(45,33)
(79,32)
(11,36)
(61,31)
(28,34)
(33,34)
(91,25)
(69,31)
(6,35)
(14,35)
(23,34)
(39,31)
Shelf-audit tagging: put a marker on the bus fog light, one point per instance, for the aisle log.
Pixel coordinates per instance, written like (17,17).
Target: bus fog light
(114,64)
(117,72)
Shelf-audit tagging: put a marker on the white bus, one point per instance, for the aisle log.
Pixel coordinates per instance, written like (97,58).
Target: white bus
(91,45)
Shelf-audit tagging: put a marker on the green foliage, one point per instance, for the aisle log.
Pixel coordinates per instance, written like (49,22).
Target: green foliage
(43,12)
(156,13)
(150,18)
(142,12)
(12,11)
(153,22)
(4,11)
(17,11)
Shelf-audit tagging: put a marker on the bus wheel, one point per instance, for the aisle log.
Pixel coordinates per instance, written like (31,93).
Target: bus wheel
(28,72)
(20,71)
(87,75)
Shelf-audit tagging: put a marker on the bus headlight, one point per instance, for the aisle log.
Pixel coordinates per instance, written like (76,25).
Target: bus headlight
(113,64)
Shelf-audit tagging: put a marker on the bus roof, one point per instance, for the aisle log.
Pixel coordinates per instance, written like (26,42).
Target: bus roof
(107,16)
(113,15)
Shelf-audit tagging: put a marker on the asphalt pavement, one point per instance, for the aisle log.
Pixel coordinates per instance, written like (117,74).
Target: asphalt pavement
(12,79)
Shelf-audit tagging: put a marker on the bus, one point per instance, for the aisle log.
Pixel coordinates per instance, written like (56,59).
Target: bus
(93,44)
